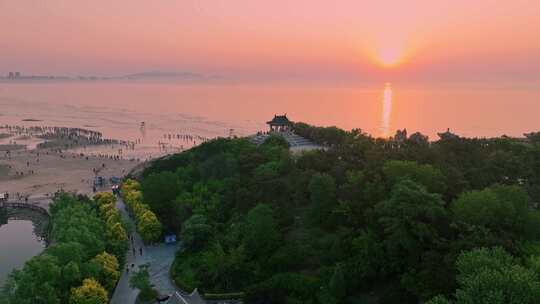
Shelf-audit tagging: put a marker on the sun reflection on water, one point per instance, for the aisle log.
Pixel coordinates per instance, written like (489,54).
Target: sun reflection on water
(386,110)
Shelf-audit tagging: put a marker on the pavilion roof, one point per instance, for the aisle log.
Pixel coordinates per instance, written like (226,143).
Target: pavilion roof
(279,120)
(447,135)
(182,298)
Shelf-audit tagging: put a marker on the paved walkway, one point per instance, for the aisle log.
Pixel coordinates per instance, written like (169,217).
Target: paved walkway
(159,257)
(123,292)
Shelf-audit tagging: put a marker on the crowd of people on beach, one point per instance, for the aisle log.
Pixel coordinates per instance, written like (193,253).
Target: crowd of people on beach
(76,143)
(186,137)
(57,132)
(71,138)
(29,164)
(189,140)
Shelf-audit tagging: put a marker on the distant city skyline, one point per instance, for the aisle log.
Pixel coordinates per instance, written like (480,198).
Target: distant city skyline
(174,76)
(279,40)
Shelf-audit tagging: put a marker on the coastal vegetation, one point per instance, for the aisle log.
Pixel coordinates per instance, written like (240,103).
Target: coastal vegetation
(82,263)
(147,223)
(367,220)
(141,281)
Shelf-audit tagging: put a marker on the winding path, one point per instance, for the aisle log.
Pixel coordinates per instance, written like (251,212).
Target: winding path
(159,257)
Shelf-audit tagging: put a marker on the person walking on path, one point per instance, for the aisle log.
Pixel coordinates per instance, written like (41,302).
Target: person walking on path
(124,293)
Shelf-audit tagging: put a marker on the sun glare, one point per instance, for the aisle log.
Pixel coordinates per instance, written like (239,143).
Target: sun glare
(390,57)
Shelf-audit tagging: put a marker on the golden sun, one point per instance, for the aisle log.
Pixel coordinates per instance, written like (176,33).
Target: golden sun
(389,57)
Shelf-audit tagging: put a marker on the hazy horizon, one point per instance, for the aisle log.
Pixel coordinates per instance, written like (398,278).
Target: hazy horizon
(240,121)
(279,41)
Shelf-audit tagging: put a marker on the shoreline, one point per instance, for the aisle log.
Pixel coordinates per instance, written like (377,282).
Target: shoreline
(32,173)
(38,161)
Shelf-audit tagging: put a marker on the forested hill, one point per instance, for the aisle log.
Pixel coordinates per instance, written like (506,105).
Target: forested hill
(365,221)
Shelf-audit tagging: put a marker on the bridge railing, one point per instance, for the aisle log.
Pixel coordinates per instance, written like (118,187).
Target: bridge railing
(18,204)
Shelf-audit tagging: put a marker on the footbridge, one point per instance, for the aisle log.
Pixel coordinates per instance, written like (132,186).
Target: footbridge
(39,203)
(32,211)
(36,206)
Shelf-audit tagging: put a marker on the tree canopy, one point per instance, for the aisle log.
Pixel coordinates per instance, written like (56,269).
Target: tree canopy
(364,220)
(75,268)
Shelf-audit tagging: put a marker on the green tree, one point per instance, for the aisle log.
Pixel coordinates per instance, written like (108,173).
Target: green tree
(389,212)
(276,140)
(149,227)
(196,233)
(130,185)
(109,269)
(159,192)
(223,268)
(90,292)
(261,235)
(498,208)
(77,232)
(337,285)
(432,178)
(411,221)
(102,198)
(62,201)
(117,238)
(71,275)
(322,189)
(132,197)
(79,223)
(141,281)
(38,282)
(493,276)
(67,252)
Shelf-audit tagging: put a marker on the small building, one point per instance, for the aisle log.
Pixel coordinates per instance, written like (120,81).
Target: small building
(99,181)
(182,298)
(170,238)
(115,180)
(280,123)
(447,135)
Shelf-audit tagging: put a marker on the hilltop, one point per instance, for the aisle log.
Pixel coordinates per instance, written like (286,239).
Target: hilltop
(366,220)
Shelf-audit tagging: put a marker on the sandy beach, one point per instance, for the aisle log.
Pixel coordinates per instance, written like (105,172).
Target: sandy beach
(41,172)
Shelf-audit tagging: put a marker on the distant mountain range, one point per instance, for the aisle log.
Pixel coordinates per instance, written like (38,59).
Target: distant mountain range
(160,74)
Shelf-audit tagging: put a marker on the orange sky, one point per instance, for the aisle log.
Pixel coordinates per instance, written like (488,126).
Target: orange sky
(279,39)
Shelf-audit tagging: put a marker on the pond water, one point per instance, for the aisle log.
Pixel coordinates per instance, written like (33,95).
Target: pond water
(18,243)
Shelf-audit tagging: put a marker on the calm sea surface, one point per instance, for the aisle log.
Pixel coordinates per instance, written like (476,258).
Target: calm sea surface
(117,109)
